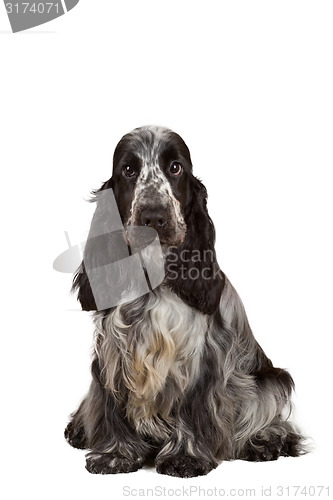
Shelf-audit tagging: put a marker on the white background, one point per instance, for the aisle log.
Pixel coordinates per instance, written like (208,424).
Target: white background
(249,87)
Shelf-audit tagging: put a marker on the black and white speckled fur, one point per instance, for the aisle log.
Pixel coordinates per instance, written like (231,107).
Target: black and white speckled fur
(177,373)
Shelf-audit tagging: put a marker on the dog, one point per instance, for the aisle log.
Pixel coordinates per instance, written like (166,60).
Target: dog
(177,375)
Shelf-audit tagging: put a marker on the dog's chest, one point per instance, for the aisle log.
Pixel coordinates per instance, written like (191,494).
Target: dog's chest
(158,356)
(168,344)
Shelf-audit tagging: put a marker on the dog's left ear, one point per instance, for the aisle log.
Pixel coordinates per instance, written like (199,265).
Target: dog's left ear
(192,271)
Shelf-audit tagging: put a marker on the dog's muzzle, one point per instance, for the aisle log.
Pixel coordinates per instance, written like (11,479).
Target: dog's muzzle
(156,217)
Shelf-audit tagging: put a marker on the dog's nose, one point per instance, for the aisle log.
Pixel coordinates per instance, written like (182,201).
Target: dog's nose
(154,217)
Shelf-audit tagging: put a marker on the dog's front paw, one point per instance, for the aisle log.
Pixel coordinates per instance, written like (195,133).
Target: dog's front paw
(107,463)
(184,466)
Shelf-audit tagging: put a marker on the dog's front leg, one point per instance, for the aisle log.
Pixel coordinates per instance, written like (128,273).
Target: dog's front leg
(184,456)
(201,426)
(115,445)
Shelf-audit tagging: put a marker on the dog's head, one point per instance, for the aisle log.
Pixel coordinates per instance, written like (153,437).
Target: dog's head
(154,187)
(151,172)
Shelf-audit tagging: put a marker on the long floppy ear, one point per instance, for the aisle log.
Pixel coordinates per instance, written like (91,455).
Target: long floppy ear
(82,286)
(81,283)
(192,270)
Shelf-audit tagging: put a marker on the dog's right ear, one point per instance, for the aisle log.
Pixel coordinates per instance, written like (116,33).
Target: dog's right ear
(82,286)
(81,283)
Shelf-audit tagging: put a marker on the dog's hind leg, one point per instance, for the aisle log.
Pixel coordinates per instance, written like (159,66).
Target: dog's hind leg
(280,439)
(75,433)
(263,431)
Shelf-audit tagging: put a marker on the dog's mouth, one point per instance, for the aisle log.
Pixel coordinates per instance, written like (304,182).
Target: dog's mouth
(139,237)
(175,241)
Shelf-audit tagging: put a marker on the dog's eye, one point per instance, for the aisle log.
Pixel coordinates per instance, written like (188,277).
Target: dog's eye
(128,171)
(175,168)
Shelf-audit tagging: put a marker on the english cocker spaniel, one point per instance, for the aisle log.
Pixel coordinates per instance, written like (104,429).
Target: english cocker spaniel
(177,375)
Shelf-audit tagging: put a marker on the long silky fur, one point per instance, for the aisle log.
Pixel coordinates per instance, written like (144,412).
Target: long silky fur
(179,376)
